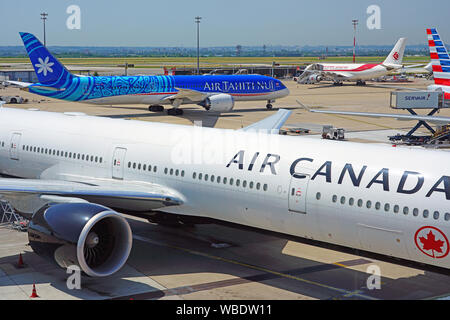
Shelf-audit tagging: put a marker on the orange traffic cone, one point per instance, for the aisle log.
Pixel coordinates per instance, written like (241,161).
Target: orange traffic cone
(20,263)
(34,293)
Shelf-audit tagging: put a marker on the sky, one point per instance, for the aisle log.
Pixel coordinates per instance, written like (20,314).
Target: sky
(170,23)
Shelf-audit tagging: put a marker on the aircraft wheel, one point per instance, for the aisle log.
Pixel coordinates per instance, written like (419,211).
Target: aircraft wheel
(156,108)
(175,112)
(269,106)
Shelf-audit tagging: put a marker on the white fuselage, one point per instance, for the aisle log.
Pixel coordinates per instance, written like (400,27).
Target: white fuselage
(370,197)
(355,71)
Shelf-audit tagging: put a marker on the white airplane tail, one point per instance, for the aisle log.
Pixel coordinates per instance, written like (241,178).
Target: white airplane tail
(395,58)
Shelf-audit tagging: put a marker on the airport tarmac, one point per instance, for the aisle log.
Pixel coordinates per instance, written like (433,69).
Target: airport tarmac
(222,262)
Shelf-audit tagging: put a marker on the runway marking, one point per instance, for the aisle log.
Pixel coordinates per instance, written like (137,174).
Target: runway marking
(262,269)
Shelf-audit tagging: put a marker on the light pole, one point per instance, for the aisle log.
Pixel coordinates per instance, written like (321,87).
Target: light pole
(355,23)
(197,21)
(44,17)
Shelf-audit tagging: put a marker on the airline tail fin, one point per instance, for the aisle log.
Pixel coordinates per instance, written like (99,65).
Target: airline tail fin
(48,69)
(440,60)
(395,57)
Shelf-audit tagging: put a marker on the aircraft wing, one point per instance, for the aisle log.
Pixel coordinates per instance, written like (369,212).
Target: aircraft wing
(272,124)
(28,195)
(189,94)
(20,84)
(402,117)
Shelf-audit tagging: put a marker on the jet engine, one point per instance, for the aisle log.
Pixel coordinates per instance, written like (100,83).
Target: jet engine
(314,78)
(218,103)
(91,236)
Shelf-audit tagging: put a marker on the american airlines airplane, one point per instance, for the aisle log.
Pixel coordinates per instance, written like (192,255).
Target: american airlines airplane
(214,93)
(358,72)
(391,201)
(440,62)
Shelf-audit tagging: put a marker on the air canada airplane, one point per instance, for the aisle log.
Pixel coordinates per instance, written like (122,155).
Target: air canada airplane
(391,201)
(358,72)
(214,93)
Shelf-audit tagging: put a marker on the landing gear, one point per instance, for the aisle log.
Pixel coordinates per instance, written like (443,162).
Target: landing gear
(269,104)
(156,108)
(337,83)
(175,112)
(360,83)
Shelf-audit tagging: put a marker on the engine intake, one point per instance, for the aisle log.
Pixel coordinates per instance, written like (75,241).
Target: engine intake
(94,237)
(218,103)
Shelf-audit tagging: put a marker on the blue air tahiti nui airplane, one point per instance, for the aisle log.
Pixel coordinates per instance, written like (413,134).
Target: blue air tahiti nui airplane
(214,93)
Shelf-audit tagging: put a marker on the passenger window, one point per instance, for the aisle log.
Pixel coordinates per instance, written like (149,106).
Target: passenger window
(154,168)
(182,173)
(212,178)
(360,203)
(177,172)
(171,171)
(387,207)
(165,170)
(425,213)
(144,167)
(415,212)
(194,175)
(258,186)
(368,204)
(351,201)
(436,215)
(206,177)
(149,168)
(134,165)
(447,216)
(231,181)
(342,200)
(251,184)
(405,210)
(244,184)
(318,195)
(225,180)
(334,199)
(139,166)
(396,209)
(218,179)
(265,187)
(200,176)
(238,182)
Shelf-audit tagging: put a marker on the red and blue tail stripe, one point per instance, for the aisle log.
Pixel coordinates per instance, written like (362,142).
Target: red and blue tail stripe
(440,59)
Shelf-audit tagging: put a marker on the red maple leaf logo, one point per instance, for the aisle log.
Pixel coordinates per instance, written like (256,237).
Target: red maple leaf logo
(430,243)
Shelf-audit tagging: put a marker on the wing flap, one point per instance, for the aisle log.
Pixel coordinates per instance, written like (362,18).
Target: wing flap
(272,123)
(138,197)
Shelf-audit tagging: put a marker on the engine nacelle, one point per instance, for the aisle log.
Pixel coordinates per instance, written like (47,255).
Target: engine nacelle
(315,78)
(218,103)
(93,237)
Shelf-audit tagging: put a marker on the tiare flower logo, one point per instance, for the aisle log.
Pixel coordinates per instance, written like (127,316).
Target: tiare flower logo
(44,66)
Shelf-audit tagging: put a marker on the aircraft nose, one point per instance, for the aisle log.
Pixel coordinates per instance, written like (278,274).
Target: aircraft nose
(285,92)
